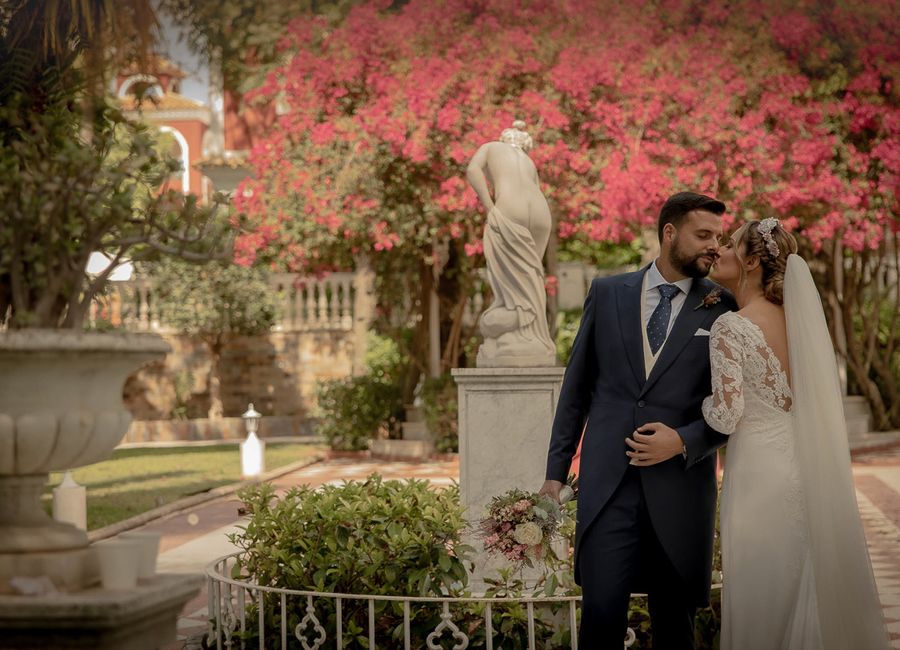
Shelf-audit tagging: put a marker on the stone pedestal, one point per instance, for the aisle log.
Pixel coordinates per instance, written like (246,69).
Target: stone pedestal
(143,618)
(505,417)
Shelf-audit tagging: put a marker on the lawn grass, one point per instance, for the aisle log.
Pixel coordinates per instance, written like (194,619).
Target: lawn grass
(133,481)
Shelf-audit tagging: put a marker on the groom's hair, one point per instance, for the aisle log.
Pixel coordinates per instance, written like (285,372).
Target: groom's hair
(678,205)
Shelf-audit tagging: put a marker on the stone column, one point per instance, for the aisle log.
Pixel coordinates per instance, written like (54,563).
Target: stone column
(505,417)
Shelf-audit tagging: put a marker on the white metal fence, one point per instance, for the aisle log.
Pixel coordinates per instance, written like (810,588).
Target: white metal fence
(229,599)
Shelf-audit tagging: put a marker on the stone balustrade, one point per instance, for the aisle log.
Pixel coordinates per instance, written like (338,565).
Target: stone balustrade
(304,304)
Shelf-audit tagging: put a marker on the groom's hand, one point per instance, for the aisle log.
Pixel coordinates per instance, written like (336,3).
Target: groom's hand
(653,443)
(551,488)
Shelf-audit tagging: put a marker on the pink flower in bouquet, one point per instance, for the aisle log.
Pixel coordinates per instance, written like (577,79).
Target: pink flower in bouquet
(522,506)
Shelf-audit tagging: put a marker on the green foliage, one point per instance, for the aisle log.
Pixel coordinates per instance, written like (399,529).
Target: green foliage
(384,359)
(875,327)
(567,323)
(372,537)
(70,189)
(352,411)
(601,254)
(78,177)
(375,537)
(213,301)
(440,404)
(510,621)
(90,37)
(183,382)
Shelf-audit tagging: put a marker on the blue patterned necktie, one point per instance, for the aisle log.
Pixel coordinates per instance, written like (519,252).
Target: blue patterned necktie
(658,324)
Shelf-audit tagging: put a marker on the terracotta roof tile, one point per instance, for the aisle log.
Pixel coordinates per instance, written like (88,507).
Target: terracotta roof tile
(168,102)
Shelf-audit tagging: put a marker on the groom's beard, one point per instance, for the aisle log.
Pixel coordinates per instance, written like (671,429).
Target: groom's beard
(692,266)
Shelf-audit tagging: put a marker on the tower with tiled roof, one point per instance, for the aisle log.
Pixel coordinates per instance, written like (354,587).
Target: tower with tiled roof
(152,96)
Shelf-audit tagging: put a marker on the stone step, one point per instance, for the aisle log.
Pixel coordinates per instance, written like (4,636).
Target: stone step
(415,431)
(402,449)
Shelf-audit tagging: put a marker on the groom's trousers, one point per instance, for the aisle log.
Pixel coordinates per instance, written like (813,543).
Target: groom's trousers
(621,553)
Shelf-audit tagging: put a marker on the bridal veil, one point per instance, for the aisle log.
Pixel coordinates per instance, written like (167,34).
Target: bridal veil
(849,613)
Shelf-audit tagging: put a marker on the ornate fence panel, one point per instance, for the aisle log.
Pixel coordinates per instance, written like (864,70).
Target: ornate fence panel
(230,599)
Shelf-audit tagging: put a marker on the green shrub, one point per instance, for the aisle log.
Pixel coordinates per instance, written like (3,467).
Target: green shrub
(353,411)
(567,322)
(373,537)
(384,359)
(440,404)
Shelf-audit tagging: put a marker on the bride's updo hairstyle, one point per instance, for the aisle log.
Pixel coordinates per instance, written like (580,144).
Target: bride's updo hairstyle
(769,241)
(517,136)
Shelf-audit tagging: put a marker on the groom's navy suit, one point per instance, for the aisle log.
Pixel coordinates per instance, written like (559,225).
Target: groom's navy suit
(606,388)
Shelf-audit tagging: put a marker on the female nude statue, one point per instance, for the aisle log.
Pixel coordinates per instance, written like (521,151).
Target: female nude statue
(515,238)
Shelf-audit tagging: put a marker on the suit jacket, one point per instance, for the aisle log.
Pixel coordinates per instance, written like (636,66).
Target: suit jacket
(605,387)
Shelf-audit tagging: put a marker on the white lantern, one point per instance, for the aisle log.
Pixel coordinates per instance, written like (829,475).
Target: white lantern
(253,450)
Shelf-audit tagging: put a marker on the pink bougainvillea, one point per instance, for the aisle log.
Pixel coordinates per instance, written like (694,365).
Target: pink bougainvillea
(782,108)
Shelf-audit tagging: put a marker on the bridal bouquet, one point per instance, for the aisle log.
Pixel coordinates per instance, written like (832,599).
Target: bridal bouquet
(521,526)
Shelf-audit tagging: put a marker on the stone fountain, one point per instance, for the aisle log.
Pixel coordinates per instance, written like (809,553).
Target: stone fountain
(60,408)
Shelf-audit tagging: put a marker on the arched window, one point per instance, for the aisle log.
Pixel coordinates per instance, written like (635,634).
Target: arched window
(177,146)
(142,86)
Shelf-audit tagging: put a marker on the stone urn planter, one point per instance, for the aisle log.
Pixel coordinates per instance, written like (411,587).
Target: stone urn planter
(60,408)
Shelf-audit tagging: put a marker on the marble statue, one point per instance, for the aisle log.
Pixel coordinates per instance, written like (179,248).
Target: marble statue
(515,238)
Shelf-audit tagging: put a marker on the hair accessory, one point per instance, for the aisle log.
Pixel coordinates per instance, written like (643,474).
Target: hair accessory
(766,226)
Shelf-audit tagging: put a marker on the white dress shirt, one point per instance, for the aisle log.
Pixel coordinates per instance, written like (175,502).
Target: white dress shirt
(652,279)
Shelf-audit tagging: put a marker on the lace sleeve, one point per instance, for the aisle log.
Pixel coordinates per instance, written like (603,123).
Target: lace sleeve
(724,408)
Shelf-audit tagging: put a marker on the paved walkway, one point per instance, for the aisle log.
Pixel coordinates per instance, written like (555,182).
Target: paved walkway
(193,538)
(877,477)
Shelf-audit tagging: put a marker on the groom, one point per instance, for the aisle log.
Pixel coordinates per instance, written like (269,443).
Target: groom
(638,373)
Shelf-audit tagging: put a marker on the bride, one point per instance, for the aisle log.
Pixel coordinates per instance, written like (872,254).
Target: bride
(796,569)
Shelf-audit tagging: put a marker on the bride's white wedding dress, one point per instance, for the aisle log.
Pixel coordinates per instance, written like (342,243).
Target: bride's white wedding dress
(769,596)
(796,572)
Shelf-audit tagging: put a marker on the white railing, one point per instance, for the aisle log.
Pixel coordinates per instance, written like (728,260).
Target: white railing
(229,598)
(305,303)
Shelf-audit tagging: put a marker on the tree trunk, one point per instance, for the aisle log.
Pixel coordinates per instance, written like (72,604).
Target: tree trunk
(418,350)
(216,408)
(457,284)
(855,288)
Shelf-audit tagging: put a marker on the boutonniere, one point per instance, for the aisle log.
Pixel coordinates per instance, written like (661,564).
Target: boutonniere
(710,299)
